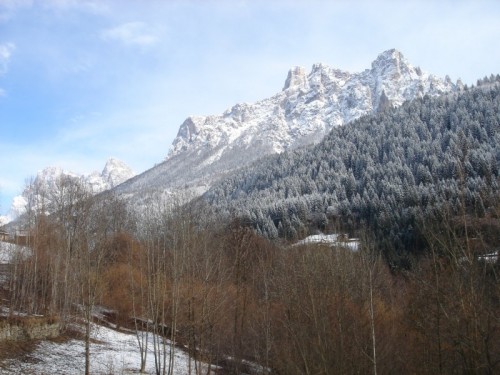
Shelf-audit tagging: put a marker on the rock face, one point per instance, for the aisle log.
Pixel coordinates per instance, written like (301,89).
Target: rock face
(296,78)
(308,107)
(114,173)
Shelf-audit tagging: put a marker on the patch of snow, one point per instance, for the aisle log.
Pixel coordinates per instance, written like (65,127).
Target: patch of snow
(319,238)
(489,258)
(334,239)
(9,250)
(114,352)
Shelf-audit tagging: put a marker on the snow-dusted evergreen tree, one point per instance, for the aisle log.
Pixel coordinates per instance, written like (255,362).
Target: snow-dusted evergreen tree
(384,171)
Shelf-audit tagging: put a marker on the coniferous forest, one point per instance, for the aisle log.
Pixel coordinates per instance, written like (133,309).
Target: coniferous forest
(222,277)
(393,173)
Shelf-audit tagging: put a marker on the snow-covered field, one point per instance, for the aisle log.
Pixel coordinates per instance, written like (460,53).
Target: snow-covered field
(113,353)
(332,240)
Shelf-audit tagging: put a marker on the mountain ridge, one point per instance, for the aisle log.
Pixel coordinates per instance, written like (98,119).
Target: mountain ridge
(303,112)
(308,107)
(389,172)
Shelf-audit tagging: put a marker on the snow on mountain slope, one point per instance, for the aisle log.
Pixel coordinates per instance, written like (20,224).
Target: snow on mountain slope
(114,173)
(308,107)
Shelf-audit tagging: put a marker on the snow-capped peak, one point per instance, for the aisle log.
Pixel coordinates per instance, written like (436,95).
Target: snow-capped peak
(303,112)
(296,78)
(390,58)
(47,181)
(309,106)
(115,172)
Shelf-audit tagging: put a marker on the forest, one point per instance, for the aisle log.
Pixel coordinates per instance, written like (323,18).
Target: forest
(418,185)
(388,173)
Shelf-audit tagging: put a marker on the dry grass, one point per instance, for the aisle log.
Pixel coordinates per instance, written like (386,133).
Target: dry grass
(16,349)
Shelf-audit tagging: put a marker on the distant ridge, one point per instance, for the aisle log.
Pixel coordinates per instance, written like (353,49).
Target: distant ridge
(114,173)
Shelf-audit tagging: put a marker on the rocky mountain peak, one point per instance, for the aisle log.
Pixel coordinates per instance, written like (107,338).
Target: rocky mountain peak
(296,78)
(115,172)
(393,64)
(309,106)
(187,133)
(187,128)
(389,57)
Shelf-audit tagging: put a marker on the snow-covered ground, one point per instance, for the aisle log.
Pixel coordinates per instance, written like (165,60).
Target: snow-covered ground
(331,239)
(8,251)
(489,258)
(113,353)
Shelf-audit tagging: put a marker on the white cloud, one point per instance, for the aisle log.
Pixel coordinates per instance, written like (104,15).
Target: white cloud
(131,34)
(5,54)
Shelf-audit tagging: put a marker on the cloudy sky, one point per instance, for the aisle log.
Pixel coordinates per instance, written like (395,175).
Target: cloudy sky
(84,80)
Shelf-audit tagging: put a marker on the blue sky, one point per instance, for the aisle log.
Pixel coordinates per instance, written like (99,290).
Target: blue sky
(85,80)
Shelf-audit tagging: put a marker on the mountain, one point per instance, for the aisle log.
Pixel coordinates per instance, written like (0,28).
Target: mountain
(308,107)
(114,173)
(395,172)
(46,182)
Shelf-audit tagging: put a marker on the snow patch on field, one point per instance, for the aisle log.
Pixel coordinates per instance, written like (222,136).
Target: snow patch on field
(113,352)
(333,239)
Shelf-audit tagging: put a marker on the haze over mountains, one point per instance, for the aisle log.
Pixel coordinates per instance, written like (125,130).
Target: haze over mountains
(207,148)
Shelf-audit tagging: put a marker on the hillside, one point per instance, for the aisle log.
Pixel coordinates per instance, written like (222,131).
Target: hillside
(386,171)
